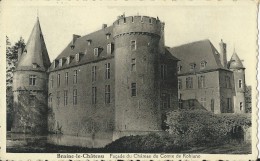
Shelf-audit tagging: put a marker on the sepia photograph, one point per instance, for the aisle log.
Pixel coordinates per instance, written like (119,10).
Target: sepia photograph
(121,80)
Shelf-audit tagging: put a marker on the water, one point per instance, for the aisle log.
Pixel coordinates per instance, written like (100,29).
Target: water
(27,141)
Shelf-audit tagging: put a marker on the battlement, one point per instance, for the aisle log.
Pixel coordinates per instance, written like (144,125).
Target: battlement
(137,24)
(136,19)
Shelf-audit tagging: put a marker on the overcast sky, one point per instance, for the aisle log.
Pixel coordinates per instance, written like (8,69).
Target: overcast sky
(235,24)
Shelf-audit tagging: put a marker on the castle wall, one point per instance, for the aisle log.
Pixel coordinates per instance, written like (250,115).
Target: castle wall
(84,118)
(239,98)
(141,112)
(30,102)
(207,97)
(226,92)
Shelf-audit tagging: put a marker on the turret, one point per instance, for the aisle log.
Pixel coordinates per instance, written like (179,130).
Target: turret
(235,65)
(30,85)
(136,66)
(223,53)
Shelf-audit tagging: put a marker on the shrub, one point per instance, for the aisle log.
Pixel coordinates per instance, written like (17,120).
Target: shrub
(200,127)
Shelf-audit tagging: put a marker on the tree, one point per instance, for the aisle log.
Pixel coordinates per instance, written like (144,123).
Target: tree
(11,60)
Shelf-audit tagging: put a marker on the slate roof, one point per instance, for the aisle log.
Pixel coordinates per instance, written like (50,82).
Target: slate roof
(235,62)
(196,53)
(35,52)
(98,39)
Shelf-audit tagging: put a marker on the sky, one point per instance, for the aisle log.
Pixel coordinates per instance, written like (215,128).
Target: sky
(235,24)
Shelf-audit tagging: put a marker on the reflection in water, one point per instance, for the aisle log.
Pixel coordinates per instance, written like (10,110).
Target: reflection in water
(28,140)
(68,140)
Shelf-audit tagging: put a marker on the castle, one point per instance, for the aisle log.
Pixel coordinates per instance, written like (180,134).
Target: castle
(121,80)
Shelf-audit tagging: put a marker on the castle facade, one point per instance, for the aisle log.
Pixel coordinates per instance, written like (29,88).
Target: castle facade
(121,80)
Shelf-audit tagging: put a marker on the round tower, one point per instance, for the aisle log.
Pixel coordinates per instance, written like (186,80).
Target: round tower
(30,85)
(136,75)
(238,69)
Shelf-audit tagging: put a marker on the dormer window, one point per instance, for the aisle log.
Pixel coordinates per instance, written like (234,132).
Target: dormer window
(192,66)
(77,57)
(96,52)
(89,41)
(109,48)
(203,64)
(55,63)
(60,62)
(179,68)
(68,60)
(108,35)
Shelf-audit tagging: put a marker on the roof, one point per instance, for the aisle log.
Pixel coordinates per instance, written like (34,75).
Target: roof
(235,62)
(35,55)
(97,39)
(197,53)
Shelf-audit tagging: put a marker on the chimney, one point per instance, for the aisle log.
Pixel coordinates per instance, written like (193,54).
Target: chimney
(223,53)
(74,38)
(104,26)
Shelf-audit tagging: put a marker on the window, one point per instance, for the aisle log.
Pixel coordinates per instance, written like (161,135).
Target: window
(68,60)
(58,98)
(94,95)
(65,98)
(32,80)
(107,94)
(189,83)
(60,63)
(203,101)
(192,66)
(124,20)
(58,80)
(93,73)
(179,84)
(133,45)
(52,80)
(163,71)
(75,97)
(201,81)
(165,100)
(227,82)
(179,68)
(107,73)
(229,104)
(240,85)
(142,20)
(150,21)
(75,76)
(89,42)
(96,52)
(133,65)
(77,57)
(203,64)
(132,18)
(133,89)
(66,78)
(108,35)
(108,48)
(212,102)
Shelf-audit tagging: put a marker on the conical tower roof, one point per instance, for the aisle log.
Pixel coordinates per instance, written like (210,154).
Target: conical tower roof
(35,55)
(235,62)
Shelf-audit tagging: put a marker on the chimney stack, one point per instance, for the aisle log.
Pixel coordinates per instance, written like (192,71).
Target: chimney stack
(223,53)
(104,26)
